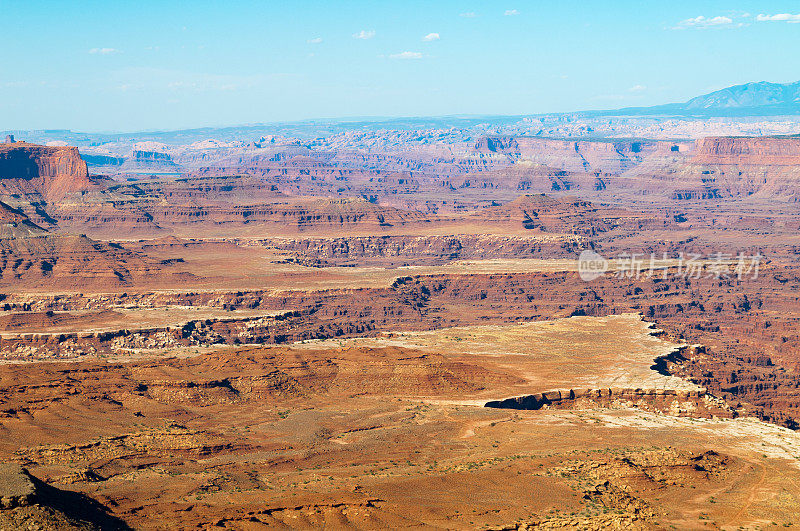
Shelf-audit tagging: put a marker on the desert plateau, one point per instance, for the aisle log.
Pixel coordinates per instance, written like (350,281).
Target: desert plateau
(404,316)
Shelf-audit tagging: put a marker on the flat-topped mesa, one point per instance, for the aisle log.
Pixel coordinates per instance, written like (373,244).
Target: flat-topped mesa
(755,151)
(155,161)
(52,172)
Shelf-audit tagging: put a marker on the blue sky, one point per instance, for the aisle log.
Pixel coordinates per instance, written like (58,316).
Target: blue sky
(124,66)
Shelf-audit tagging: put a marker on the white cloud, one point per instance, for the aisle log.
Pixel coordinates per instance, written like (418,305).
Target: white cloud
(511,12)
(315,40)
(406,55)
(468,14)
(364,34)
(431,37)
(780,17)
(702,22)
(103,51)
(637,88)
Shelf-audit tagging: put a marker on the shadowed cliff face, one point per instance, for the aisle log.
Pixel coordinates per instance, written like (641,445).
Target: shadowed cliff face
(51,172)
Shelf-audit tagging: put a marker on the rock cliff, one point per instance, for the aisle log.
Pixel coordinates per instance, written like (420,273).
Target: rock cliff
(52,172)
(756,151)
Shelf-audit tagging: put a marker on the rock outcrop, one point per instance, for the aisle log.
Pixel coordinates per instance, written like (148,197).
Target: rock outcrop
(678,402)
(28,503)
(428,250)
(16,486)
(15,224)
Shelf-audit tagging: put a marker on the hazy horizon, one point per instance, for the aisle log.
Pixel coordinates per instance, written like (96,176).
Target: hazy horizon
(152,67)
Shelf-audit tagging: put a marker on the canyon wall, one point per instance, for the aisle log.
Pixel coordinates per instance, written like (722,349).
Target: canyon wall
(51,172)
(755,151)
(577,156)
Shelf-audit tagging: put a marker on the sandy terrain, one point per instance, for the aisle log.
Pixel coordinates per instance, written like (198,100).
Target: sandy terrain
(391,432)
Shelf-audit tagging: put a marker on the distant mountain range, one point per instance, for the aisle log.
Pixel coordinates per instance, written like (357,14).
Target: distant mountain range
(751,99)
(762,99)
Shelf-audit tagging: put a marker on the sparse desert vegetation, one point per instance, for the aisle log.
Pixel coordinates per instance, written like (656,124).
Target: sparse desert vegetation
(545,320)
